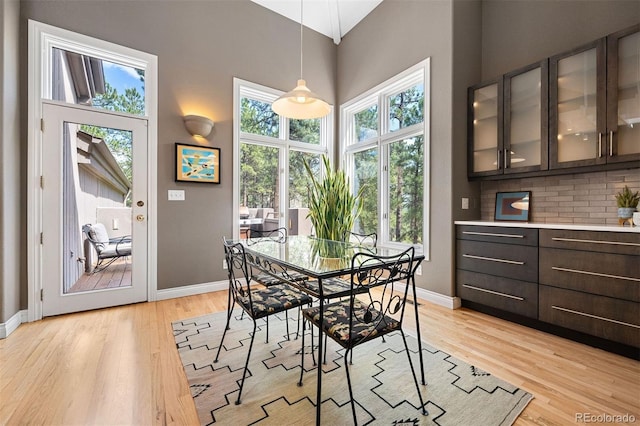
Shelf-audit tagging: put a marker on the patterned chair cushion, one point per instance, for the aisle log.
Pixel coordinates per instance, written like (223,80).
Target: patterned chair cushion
(273,299)
(336,322)
(269,280)
(332,288)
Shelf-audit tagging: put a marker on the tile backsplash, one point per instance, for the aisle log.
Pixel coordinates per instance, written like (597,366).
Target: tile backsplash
(585,198)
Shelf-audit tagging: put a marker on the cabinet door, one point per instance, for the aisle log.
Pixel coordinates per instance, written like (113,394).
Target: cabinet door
(578,107)
(623,96)
(485,129)
(525,119)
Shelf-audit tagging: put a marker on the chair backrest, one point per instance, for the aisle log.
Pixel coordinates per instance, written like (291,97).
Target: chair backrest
(278,235)
(364,239)
(237,269)
(97,235)
(383,282)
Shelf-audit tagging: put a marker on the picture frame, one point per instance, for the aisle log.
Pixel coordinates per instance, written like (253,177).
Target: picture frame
(513,206)
(195,163)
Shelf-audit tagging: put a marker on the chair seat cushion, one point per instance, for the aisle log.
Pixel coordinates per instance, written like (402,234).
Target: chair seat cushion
(115,250)
(273,299)
(331,287)
(365,327)
(269,280)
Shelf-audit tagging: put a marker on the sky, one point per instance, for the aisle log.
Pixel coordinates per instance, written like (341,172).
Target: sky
(121,77)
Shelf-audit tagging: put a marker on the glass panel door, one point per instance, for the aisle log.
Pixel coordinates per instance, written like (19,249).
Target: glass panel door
(94,197)
(578,107)
(485,129)
(525,120)
(577,125)
(624,104)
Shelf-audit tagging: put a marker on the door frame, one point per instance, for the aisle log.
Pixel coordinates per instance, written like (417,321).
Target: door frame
(42,38)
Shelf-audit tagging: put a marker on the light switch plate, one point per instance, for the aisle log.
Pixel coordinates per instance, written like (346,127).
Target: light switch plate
(465,204)
(176,195)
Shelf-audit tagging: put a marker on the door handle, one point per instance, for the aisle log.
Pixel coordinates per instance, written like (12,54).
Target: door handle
(599,145)
(140,218)
(610,143)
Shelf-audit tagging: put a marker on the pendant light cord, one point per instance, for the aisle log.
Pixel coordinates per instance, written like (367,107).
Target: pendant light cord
(301,30)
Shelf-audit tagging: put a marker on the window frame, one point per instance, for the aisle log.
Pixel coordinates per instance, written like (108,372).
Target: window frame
(349,145)
(242,89)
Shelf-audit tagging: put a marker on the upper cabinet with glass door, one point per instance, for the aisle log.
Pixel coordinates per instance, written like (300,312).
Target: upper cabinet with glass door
(485,129)
(623,95)
(525,119)
(595,102)
(508,123)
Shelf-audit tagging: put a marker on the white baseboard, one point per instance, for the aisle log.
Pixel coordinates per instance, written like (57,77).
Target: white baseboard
(10,326)
(450,302)
(190,290)
(171,293)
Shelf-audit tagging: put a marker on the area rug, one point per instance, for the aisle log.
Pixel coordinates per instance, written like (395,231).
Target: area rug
(456,393)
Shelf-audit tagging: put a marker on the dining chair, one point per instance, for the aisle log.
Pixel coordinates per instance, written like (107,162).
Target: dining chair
(364,239)
(375,307)
(257,303)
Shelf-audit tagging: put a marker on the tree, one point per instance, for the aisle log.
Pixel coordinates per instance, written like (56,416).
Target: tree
(119,142)
(259,164)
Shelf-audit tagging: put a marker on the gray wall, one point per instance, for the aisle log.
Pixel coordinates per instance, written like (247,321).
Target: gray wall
(12,222)
(201,46)
(395,36)
(519,33)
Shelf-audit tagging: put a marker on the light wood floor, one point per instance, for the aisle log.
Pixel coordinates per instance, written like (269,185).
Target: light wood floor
(120,366)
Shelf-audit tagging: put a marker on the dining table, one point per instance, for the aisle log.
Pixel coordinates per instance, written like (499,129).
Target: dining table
(318,259)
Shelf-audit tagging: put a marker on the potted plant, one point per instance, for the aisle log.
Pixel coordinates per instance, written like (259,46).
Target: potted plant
(627,202)
(333,209)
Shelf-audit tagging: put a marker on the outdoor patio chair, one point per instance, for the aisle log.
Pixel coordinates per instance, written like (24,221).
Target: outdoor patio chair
(108,249)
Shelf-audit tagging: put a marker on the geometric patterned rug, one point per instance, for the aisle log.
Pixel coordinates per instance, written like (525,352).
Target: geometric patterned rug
(456,393)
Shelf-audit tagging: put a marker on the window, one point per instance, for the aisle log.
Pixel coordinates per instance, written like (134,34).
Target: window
(269,152)
(385,149)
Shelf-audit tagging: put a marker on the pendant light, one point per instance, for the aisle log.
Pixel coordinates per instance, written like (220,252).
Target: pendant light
(300,103)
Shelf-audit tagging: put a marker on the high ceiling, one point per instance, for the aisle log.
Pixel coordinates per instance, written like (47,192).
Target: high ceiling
(333,18)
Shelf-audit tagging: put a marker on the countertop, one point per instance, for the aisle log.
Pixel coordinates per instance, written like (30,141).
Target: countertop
(568,226)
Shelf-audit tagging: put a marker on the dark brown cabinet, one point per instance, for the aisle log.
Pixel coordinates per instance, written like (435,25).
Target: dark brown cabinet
(595,102)
(590,282)
(575,280)
(508,123)
(576,111)
(498,267)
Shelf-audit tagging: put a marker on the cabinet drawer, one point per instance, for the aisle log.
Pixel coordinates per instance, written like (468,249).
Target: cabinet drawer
(612,319)
(519,297)
(606,274)
(602,242)
(497,234)
(505,260)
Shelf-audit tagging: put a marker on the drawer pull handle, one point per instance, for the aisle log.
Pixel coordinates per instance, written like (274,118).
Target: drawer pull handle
(493,259)
(578,240)
(491,234)
(584,314)
(598,274)
(492,292)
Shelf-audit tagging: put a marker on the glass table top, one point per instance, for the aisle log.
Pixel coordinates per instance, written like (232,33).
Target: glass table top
(313,256)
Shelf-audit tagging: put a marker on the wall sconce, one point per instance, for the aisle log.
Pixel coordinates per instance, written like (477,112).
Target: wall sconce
(198,125)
